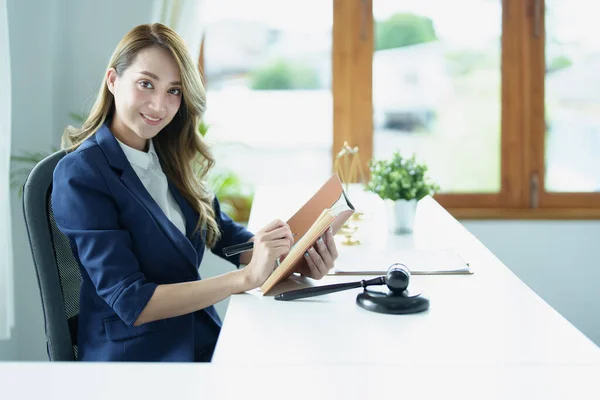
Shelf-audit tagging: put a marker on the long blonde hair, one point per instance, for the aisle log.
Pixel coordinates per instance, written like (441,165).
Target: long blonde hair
(185,158)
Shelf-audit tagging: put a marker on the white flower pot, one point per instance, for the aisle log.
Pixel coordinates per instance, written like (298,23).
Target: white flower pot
(400,215)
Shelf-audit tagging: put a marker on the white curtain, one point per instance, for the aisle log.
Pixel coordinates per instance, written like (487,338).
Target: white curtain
(6,259)
(186,18)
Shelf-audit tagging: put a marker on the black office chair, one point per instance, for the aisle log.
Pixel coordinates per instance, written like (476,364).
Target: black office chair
(57,270)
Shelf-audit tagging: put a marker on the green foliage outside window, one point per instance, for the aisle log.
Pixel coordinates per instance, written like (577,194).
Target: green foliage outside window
(559,62)
(283,75)
(402,30)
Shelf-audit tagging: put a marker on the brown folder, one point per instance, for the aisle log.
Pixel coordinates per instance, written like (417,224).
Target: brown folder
(329,206)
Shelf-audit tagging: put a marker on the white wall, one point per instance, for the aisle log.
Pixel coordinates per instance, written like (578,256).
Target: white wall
(32,39)
(59,52)
(89,30)
(559,260)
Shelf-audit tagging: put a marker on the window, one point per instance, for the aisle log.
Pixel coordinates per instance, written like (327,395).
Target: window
(572,99)
(437,89)
(498,97)
(488,61)
(267,69)
(565,105)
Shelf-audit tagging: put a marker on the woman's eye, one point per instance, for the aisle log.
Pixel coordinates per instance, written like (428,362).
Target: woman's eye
(146,85)
(175,91)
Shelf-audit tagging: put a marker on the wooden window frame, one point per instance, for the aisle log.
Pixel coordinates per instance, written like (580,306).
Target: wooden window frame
(522,194)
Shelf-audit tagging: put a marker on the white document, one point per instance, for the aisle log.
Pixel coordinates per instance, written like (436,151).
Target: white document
(419,262)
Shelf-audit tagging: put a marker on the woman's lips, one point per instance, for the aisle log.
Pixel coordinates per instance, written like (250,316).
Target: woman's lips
(151,120)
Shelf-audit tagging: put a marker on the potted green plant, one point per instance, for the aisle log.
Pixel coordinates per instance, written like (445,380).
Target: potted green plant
(401,182)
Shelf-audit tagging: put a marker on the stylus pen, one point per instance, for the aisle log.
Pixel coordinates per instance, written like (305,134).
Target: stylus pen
(240,248)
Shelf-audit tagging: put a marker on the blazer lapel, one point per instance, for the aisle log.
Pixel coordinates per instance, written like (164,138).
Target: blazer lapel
(190,215)
(117,160)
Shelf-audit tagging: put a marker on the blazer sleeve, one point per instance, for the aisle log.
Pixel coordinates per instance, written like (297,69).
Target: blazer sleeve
(87,214)
(231,233)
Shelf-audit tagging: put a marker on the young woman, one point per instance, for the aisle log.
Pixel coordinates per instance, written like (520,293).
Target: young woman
(139,219)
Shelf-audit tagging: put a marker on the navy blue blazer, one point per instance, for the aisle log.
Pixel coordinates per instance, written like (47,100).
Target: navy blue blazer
(126,246)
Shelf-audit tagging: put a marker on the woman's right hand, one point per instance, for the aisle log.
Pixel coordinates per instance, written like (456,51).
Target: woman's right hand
(270,243)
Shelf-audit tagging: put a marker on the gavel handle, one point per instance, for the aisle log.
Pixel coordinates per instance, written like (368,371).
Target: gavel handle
(326,289)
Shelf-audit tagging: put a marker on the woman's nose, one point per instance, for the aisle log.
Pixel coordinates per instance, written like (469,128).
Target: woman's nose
(158,104)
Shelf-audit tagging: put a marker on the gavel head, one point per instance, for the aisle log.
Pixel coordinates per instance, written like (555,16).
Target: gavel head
(399,300)
(397,278)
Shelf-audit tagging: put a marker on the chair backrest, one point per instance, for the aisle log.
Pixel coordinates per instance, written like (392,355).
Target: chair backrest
(58,273)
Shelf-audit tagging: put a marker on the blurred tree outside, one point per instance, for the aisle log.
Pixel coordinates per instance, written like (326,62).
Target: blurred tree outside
(403,29)
(557,63)
(283,75)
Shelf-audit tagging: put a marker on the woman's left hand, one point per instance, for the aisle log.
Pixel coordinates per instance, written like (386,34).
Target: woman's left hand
(320,257)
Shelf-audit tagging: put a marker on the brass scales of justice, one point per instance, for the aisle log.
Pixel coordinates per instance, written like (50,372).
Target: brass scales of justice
(348,167)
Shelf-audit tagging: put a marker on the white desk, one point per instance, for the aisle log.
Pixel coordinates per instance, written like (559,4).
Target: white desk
(487,319)
(486,336)
(106,381)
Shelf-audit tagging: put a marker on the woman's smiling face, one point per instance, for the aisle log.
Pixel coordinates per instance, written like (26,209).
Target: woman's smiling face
(147,96)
